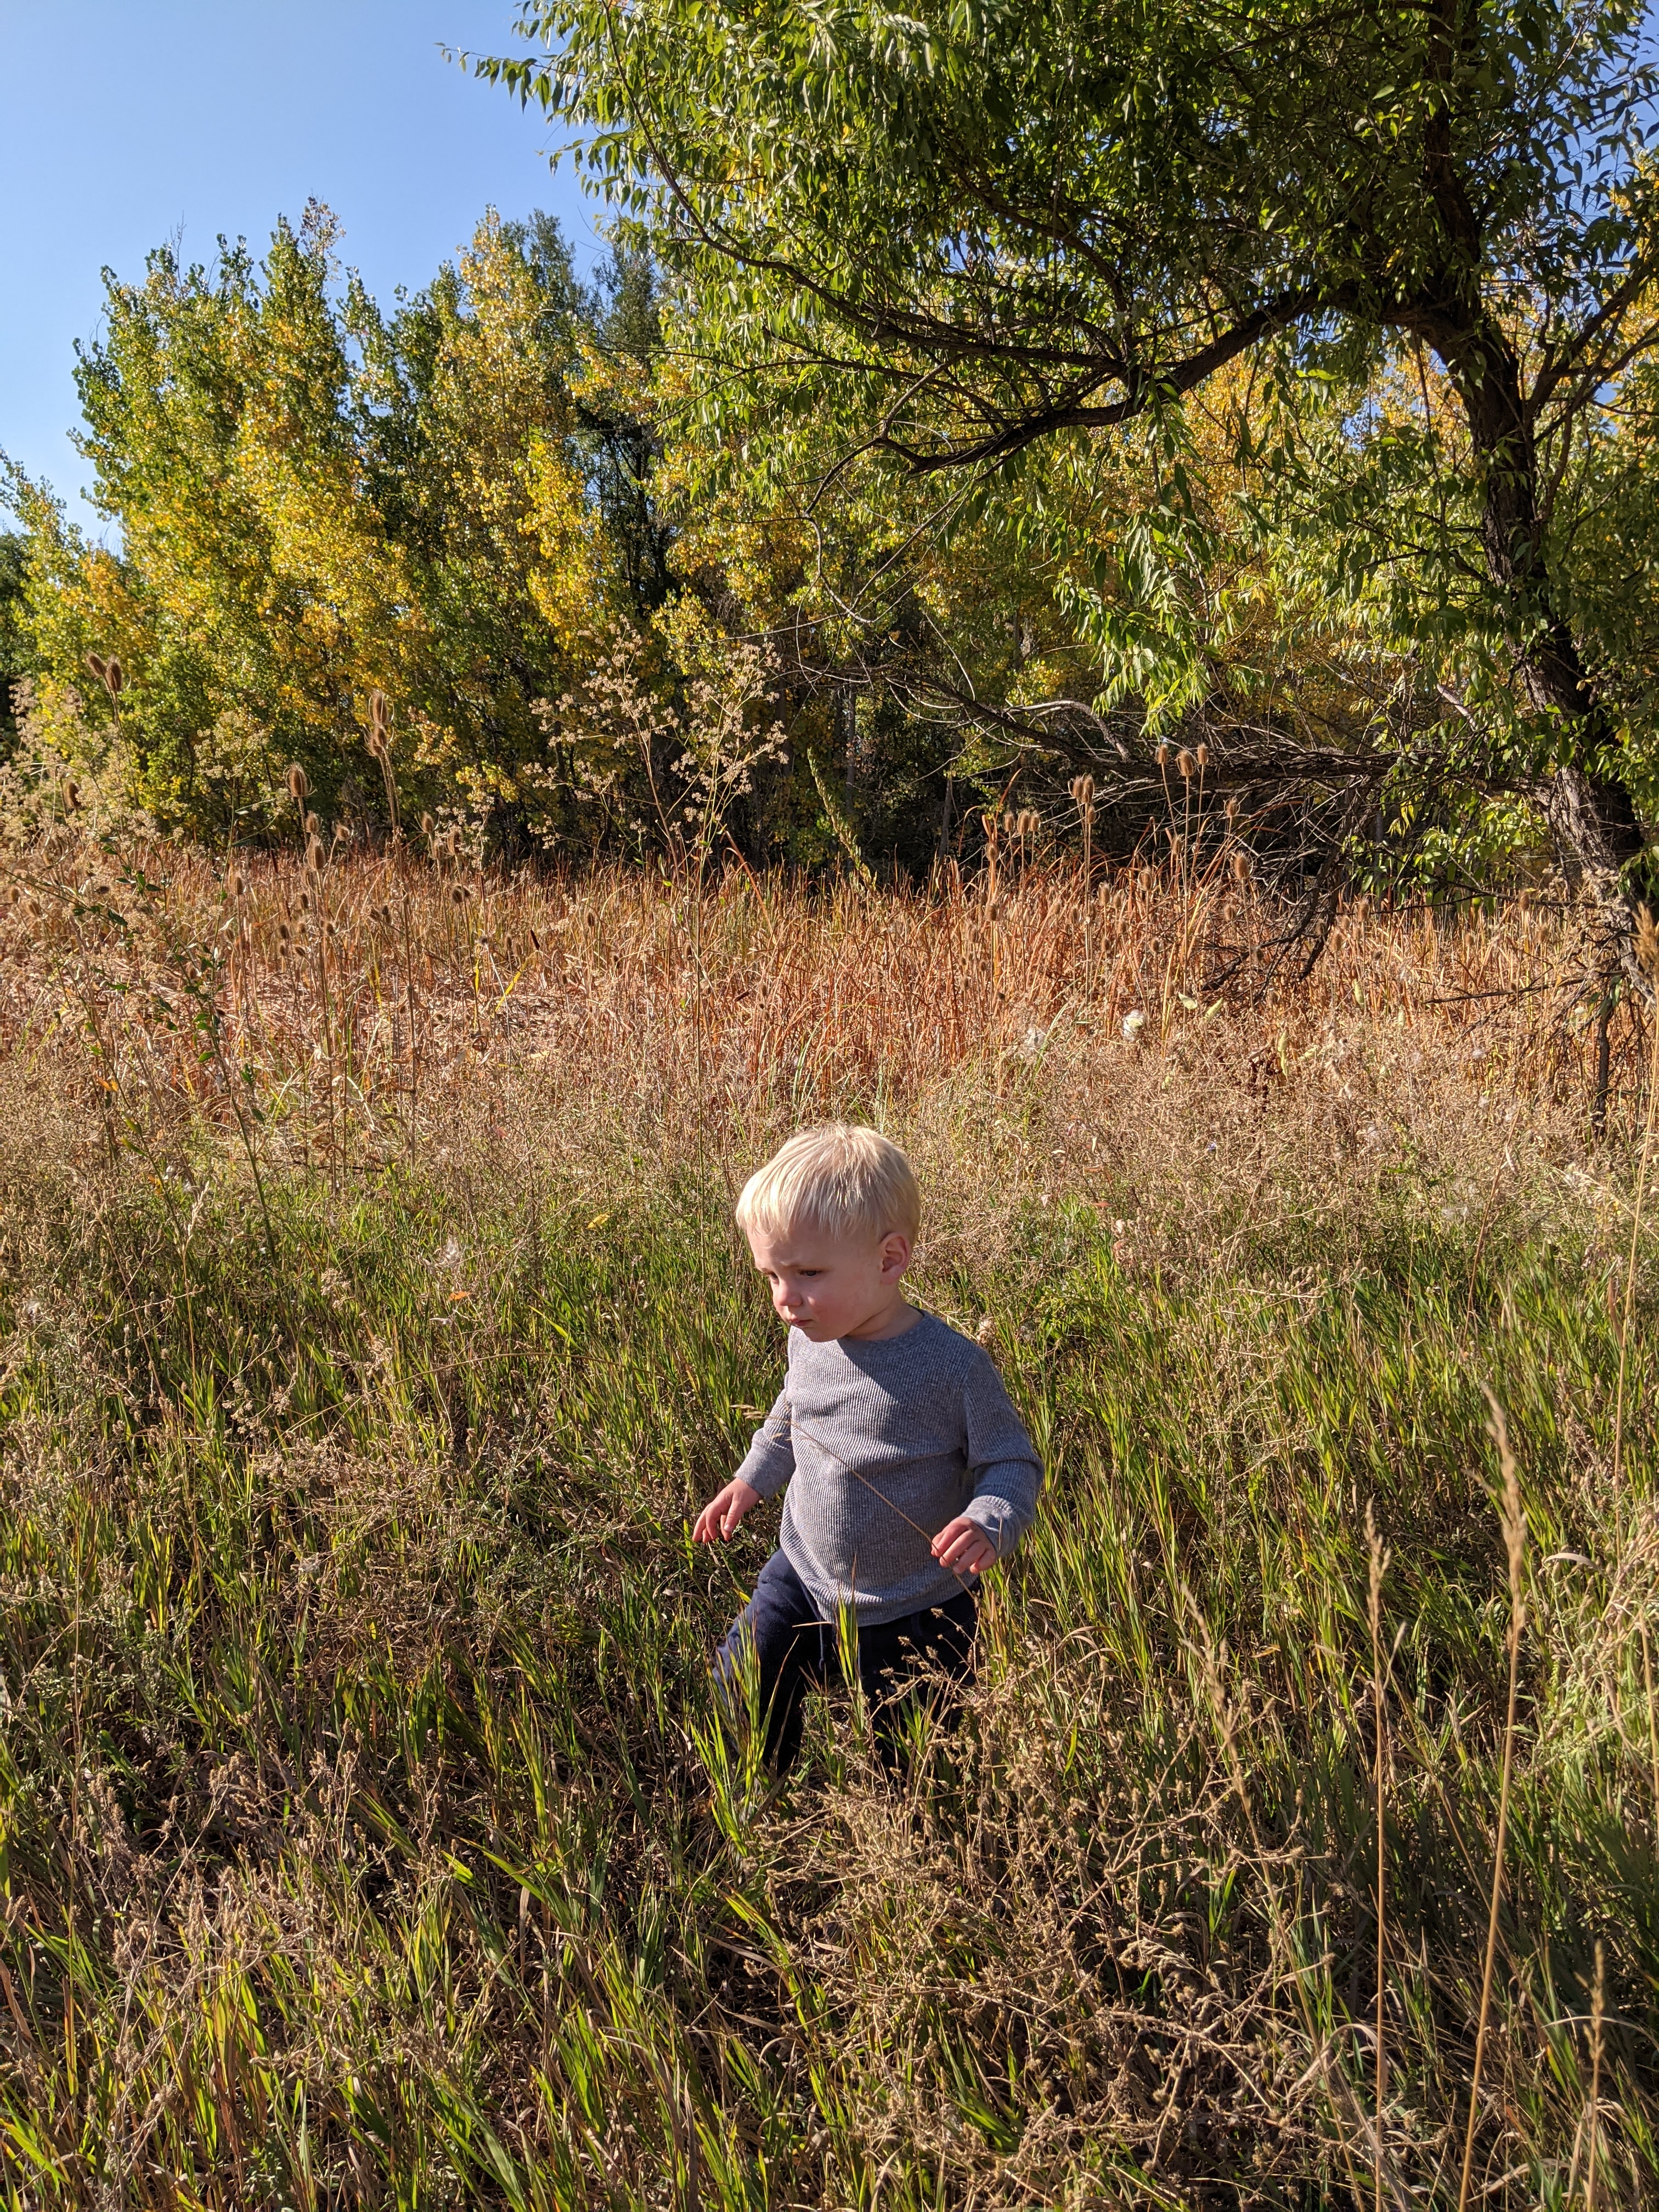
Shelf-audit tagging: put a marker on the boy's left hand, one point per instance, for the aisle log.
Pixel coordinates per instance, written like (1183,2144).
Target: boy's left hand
(963,1545)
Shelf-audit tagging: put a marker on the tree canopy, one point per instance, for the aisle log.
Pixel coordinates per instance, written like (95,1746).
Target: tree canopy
(932,243)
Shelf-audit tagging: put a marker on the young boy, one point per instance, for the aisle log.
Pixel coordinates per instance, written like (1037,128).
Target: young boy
(908,1471)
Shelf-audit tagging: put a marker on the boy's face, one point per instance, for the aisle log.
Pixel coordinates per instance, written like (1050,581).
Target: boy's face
(831,1286)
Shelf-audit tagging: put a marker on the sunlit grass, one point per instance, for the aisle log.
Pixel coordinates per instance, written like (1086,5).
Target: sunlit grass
(369,1834)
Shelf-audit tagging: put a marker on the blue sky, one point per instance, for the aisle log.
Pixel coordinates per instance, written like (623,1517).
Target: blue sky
(126,122)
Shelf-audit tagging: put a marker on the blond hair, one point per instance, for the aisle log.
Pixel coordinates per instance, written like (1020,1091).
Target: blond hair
(839,1180)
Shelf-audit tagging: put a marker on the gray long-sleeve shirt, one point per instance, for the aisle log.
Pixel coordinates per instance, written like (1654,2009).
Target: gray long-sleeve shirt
(882,1443)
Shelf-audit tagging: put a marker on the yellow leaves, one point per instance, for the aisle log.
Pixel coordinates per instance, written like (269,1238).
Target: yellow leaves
(568,586)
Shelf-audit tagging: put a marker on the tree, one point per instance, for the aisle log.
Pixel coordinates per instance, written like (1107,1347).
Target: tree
(15,658)
(317,501)
(988,224)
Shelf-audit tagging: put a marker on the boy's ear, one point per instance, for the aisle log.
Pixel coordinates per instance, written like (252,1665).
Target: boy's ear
(895,1250)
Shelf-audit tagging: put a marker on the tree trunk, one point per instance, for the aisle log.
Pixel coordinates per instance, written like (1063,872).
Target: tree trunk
(1591,815)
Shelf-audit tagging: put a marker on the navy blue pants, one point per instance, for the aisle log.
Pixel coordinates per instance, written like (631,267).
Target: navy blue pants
(796,1650)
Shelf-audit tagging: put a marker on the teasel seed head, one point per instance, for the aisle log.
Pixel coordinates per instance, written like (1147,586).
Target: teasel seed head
(238,884)
(1232,811)
(315,853)
(71,794)
(1647,942)
(313,825)
(1241,868)
(379,714)
(1083,793)
(299,785)
(1204,755)
(426,826)
(1164,753)
(1186,763)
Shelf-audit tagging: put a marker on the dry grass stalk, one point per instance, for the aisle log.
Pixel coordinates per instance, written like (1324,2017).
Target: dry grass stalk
(1647,952)
(1379,1564)
(1598,2001)
(1515,1539)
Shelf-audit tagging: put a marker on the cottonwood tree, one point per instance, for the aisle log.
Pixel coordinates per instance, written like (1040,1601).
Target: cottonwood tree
(976,227)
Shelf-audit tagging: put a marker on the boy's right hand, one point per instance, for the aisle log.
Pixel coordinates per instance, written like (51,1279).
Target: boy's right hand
(720,1517)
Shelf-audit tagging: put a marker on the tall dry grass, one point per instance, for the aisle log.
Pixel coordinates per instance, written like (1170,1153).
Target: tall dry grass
(354,1007)
(373,1323)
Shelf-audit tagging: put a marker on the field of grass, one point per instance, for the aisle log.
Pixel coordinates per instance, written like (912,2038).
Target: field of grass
(372,1324)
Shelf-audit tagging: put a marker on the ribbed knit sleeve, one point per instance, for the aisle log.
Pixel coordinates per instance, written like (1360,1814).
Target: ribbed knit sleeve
(1003,1466)
(771,1458)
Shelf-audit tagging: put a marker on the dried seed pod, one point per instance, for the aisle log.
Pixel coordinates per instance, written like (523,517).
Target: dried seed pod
(1083,793)
(299,784)
(238,885)
(426,825)
(71,794)
(313,825)
(115,679)
(1186,764)
(1232,811)
(379,714)
(1240,867)
(1204,755)
(99,665)
(314,855)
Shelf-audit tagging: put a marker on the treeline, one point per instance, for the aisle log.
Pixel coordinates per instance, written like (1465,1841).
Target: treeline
(1007,456)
